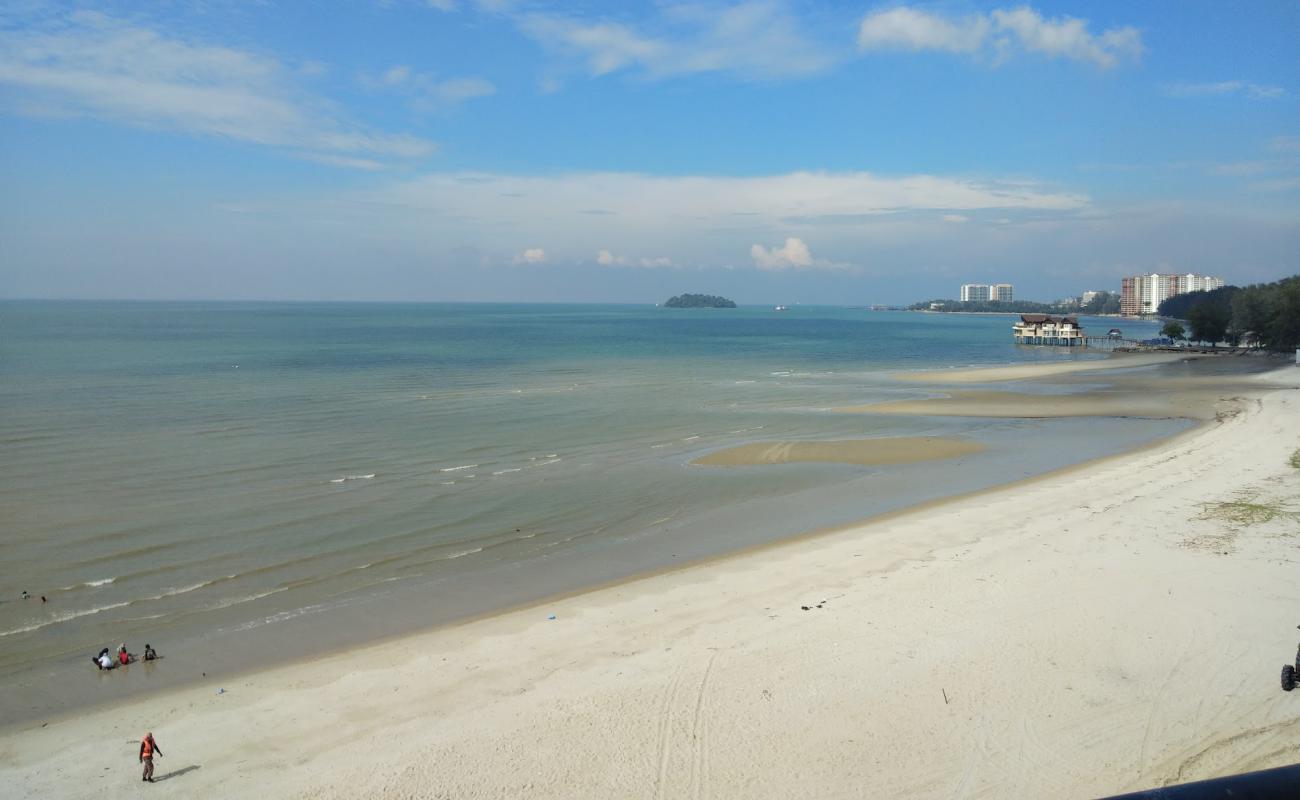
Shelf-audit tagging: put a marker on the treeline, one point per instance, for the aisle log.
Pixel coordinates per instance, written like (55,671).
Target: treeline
(1262,315)
(1103,303)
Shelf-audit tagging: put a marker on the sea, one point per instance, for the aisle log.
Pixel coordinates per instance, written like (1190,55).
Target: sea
(243,484)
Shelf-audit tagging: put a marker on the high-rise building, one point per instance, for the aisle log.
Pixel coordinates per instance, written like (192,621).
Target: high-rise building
(1143,294)
(983,292)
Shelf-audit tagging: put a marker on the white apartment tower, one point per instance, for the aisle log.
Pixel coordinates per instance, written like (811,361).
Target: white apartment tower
(983,292)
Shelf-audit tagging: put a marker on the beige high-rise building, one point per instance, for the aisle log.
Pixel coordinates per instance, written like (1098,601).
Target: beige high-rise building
(1143,294)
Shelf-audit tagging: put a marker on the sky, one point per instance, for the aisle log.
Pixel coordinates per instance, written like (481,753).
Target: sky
(772,151)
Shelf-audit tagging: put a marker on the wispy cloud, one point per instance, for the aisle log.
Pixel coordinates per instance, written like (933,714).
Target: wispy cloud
(1255,91)
(428,92)
(94,65)
(709,219)
(760,39)
(998,34)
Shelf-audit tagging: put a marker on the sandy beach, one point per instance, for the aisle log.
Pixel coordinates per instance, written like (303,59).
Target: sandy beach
(1108,627)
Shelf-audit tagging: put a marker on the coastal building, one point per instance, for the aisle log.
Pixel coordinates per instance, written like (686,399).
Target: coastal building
(983,292)
(1048,330)
(1143,294)
(1088,297)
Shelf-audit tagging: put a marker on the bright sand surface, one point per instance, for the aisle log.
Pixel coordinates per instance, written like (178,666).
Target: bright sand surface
(1152,404)
(865,452)
(1025,371)
(1100,629)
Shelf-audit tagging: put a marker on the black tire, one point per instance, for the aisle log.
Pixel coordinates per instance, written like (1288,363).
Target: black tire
(1288,678)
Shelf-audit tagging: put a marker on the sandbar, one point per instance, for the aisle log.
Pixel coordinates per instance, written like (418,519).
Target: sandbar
(1019,372)
(864,452)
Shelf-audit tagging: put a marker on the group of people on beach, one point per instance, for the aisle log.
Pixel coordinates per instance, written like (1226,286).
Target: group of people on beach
(105,661)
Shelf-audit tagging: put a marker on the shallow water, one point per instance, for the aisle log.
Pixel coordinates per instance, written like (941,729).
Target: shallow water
(228,479)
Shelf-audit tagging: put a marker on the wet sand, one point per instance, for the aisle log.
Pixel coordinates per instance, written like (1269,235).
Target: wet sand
(1030,371)
(864,452)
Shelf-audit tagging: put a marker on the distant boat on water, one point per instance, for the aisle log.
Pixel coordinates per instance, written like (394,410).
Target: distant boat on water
(781,308)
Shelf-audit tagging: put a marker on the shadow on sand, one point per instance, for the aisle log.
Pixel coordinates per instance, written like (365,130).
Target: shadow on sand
(176,773)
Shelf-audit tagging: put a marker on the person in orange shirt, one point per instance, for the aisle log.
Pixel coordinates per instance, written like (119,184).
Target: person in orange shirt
(147,749)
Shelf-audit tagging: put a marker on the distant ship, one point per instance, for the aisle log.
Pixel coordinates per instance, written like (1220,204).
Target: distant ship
(782,308)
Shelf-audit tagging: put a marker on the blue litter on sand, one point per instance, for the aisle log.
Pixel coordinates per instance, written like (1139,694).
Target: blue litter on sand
(221,691)
(551,617)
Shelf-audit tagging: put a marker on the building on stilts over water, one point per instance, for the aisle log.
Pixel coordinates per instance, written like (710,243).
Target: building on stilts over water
(1049,330)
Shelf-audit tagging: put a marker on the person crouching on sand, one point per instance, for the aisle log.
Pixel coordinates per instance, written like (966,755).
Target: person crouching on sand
(147,749)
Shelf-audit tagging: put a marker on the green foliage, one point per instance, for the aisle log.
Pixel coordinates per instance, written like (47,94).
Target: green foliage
(994,306)
(1101,303)
(1247,511)
(1265,314)
(1295,459)
(1174,330)
(1209,320)
(699,301)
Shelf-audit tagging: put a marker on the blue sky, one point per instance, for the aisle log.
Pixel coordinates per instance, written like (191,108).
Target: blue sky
(771,150)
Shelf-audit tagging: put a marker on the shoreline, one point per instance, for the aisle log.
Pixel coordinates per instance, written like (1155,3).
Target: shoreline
(861,452)
(490,646)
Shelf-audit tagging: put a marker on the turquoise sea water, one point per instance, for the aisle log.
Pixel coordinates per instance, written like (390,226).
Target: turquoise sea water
(228,480)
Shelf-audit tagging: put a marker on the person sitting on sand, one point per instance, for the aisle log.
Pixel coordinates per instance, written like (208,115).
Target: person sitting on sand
(104,661)
(149,653)
(123,657)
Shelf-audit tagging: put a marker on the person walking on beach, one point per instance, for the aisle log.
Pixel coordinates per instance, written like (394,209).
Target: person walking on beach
(147,748)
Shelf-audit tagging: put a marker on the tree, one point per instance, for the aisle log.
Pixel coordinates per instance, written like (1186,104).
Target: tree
(1174,330)
(1209,321)
(1252,313)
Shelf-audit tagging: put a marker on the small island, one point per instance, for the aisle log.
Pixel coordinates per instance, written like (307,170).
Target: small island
(699,301)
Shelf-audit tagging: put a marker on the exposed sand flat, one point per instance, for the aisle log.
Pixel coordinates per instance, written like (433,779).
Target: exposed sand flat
(1101,629)
(867,452)
(1154,404)
(1021,372)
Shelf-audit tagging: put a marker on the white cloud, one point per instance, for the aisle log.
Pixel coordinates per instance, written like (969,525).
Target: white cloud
(1000,32)
(533,255)
(1254,91)
(758,39)
(93,65)
(442,5)
(957,218)
(607,259)
(793,254)
(908,29)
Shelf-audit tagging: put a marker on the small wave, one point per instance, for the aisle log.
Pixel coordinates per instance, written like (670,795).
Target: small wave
(739,382)
(63,618)
(462,553)
(234,601)
(507,471)
(690,438)
(657,446)
(173,591)
(352,478)
(781,373)
(458,469)
(87,584)
(548,461)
